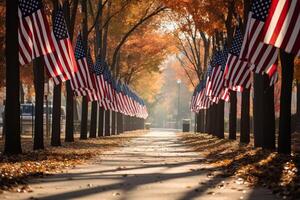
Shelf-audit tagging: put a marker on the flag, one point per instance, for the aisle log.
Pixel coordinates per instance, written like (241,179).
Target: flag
(60,64)
(282,26)
(263,57)
(108,80)
(94,81)
(220,91)
(81,81)
(218,77)
(34,32)
(99,70)
(237,73)
(208,80)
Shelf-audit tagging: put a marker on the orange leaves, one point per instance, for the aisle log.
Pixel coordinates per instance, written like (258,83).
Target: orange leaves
(248,165)
(16,169)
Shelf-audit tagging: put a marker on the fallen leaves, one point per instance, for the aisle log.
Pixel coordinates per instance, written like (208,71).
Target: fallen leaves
(15,170)
(249,165)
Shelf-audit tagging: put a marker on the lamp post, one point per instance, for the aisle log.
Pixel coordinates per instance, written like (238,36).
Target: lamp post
(178,104)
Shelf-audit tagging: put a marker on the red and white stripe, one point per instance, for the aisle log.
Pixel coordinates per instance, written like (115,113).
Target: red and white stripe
(262,56)
(237,73)
(61,64)
(34,37)
(282,27)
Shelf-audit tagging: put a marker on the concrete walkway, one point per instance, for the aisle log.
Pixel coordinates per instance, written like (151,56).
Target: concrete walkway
(156,166)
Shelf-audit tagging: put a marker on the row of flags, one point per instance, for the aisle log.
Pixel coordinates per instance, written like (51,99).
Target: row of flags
(271,25)
(94,81)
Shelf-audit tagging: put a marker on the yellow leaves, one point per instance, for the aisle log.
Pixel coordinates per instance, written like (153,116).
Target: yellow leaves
(153,82)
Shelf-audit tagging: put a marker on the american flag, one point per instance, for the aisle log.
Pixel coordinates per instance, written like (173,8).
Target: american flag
(219,91)
(108,80)
(122,98)
(237,73)
(203,101)
(34,32)
(208,78)
(99,70)
(193,106)
(263,57)
(128,100)
(81,81)
(217,82)
(60,64)
(94,81)
(282,26)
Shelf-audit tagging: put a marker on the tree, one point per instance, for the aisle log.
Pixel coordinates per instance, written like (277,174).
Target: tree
(38,68)
(70,20)
(101,122)
(245,107)
(84,105)
(56,113)
(12,106)
(284,137)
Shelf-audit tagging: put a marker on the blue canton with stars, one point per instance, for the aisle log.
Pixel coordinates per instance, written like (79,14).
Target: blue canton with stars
(224,57)
(79,49)
(213,61)
(59,25)
(260,9)
(28,7)
(107,75)
(99,67)
(118,86)
(218,58)
(237,43)
(89,61)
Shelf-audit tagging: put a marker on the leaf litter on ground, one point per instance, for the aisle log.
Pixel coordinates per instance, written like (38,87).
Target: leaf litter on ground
(15,170)
(249,165)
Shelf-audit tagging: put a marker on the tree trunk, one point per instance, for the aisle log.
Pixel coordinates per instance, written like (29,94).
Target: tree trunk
(245,117)
(245,106)
(258,110)
(84,111)
(38,69)
(12,105)
(69,137)
(107,123)
(207,124)
(198,121)
(84,118)
(298,108)
(268,136)
(113,123)
(213,119)
(220,119)
(70,20)
(284,137)
(119,123)
(56,115)
(22,93)
(100,122)
(93,123)
(232,115)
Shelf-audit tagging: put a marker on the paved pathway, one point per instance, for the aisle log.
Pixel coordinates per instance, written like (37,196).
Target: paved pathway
(156,166)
